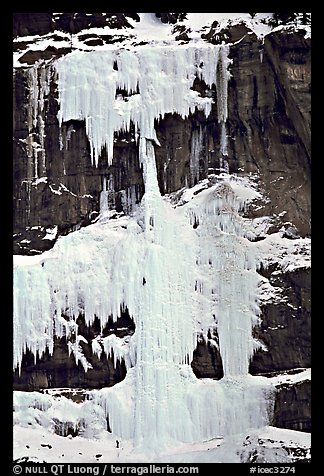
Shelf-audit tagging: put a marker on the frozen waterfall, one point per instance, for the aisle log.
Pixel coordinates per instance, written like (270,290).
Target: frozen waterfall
(179,270)
(156,80)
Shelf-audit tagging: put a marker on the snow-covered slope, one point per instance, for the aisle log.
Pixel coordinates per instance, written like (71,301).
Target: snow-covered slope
(51,428)
(150,30)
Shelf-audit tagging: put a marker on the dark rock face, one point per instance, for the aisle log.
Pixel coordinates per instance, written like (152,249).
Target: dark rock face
(269,121)
(207,362)
(285,327)
(171,17)
(268,134)
(293,407)
(25,24)
(60,369)
(49,53)
(230,34)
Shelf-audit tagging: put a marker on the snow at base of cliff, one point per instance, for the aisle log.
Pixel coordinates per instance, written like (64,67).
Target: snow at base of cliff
(273,445)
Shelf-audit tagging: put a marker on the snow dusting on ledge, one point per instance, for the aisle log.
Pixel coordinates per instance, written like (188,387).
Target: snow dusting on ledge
(303,375)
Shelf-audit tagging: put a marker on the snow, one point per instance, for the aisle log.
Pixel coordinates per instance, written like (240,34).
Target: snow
(200,21)
(43,446)
(35,410)
(243,186)
(289,255)
(51,233)
(290,28)
(268,293)
(62,188)
(56,192)
(261,225)
(40,180)
(22,260)
(289,437)
(76,349)
(292,379)
(150,28)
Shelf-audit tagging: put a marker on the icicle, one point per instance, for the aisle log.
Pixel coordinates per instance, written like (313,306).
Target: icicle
(156,80)
(196,149)
(76,349)
(130,199)
(33,324)
(118,348)
(107,198)
(222,92)
(234,279)
(104,207)
(38,80)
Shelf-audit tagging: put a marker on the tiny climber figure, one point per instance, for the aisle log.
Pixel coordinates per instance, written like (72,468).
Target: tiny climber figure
(117,444)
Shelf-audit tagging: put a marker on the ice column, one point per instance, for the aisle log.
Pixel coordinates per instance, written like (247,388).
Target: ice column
(227,258)
(236,285)
(33,322)
(222,93)
(164,323)
(196,148)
